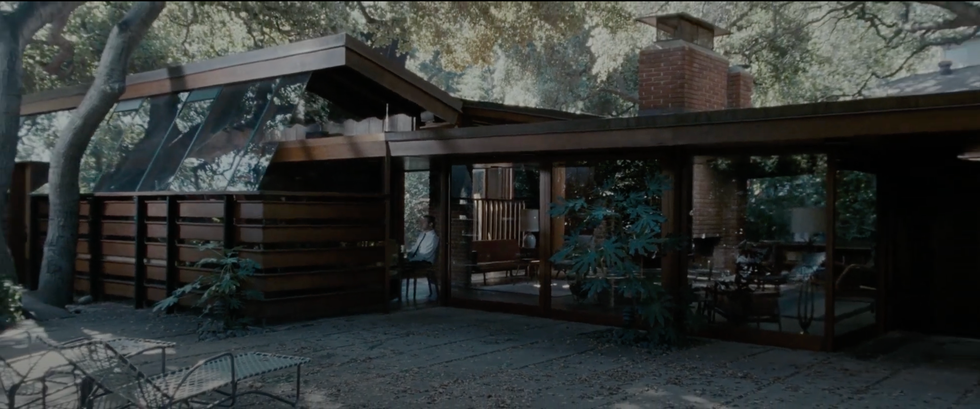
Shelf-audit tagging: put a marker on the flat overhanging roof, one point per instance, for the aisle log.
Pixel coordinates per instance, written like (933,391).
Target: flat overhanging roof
(345,58)
(809,123)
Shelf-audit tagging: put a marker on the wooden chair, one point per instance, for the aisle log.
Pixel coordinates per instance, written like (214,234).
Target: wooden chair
(413,276)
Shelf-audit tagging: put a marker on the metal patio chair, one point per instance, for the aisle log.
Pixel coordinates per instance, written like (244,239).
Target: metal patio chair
(128,347)
(119,384)
(17,386)
(30,389)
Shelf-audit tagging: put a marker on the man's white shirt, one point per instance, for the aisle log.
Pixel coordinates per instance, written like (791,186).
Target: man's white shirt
(425,247)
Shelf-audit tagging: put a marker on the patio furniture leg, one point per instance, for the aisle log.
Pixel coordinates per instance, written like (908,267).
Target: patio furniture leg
(298,377)
(234,384)
(415,288)
(85,390)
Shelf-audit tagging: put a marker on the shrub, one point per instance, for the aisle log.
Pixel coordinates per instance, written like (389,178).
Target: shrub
(223,292)
(10,304)
(630,221)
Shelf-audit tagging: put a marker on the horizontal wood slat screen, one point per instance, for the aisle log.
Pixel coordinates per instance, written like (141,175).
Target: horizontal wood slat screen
(320,253)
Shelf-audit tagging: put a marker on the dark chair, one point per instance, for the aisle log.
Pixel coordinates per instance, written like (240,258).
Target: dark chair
(413,275)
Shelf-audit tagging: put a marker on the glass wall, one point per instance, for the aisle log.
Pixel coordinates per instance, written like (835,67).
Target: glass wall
(213,139)
(758,242)
(606,225)
(494,226)
(165,157)
(855,267)
(38,134)
(118,146)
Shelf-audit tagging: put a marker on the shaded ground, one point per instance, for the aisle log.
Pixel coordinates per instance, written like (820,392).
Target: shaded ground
(451,358)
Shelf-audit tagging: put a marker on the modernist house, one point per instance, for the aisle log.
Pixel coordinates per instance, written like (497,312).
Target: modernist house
(810,226)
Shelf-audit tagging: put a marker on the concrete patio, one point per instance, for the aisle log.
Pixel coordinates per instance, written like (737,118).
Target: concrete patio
(451,358)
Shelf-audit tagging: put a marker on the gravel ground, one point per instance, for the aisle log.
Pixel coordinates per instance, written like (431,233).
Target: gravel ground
(452,358)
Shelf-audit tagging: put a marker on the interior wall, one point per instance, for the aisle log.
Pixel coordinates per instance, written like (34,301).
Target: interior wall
(934,278)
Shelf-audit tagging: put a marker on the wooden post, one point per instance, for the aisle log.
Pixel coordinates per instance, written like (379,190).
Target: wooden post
(95,247)
(884,247)
(442,173)
(829,319)
(172,273)
(36,175)
(386,275)
(15,222)
(229,222)
(397,201)
(34,243)
(544,242)
(558,224)
(675,207)
(139,271)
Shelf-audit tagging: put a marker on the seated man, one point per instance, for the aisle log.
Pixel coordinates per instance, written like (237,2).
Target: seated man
(422,255)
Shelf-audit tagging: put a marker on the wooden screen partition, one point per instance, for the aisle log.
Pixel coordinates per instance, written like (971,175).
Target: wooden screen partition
(320,254)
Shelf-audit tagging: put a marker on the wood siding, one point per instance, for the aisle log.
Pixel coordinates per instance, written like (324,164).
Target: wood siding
(319,254)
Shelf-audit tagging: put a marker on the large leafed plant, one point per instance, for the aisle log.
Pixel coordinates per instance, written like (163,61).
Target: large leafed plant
(629,222)
(223,291)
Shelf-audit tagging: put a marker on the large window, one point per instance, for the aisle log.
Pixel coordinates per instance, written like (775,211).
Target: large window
(493,234)
(253,160)
(213,139)
(759,242)
(166,157)
(38,134)
(128,139)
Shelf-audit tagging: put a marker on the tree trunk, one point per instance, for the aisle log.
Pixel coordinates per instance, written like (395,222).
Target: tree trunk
(11,70)
(16,29)
(58,264)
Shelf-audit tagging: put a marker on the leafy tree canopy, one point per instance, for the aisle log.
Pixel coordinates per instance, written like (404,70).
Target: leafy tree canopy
(576,56)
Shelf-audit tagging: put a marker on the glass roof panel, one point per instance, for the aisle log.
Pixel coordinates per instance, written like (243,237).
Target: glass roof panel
(278,124)
(38,134)
(100,148)
(168,155)
(141,133)
(235,114)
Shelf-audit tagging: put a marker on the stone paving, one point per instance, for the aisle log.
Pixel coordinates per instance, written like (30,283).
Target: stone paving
(452,358)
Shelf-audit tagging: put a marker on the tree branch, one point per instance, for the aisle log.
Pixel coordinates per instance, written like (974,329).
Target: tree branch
(30,17)
(965,14)
(364,12)
(66,50)
(622,94)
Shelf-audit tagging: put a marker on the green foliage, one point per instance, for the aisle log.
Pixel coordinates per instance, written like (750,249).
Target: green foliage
(857,213)
(10,303)
(577,56)
(416,203)
(631,232)
(223,292)
(778,183)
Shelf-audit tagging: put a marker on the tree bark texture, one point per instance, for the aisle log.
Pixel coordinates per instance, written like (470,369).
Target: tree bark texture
(16,30)
(58,263)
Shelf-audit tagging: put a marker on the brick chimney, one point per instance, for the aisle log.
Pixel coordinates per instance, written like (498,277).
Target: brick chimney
(681,72)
